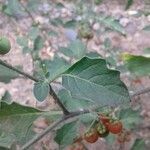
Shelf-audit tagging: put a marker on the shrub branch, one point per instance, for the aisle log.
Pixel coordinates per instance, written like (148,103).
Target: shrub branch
(67,115)
(51,92)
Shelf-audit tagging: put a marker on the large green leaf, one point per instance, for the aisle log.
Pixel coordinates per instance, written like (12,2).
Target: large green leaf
(16,123)
(7,74)
(41,90)
(66,134)
(56,67)
(138,65)
(72,103)
(90,79)
(110,22)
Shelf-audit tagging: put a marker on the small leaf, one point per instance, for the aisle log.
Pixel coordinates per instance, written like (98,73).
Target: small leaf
(146,28)
(56,67)
(66,134)
(41,90)
(38,43)
(128,4)
(90,79)
(77,48)
(138,65)
(139,144)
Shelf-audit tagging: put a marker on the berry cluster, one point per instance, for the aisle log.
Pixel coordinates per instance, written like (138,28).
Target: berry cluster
(101,128)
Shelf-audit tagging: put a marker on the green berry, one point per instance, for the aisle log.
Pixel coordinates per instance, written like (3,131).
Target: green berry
(4,45)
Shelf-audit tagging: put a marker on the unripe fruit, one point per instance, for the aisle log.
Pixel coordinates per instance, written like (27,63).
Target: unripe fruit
(102,130)
(4,45)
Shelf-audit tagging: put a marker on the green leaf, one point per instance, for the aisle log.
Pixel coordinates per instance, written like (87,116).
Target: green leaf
(130,117)
(128,4)
(71,103)
(6,74)
(56,67)
(90,79)
(138,65)
(139,144)
(146,28)
(110,22)
(41,90)
(77,48)
(66,134)
(38,43)
(16,123)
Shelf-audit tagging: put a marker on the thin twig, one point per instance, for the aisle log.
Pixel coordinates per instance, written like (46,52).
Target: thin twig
(18,71)
(52,127)
(56,98)
(139,92)
(52,92)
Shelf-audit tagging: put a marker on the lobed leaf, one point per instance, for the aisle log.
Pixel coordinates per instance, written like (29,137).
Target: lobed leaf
(90,79)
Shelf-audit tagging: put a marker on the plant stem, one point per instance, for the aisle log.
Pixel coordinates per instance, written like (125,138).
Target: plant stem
(52,127)
(18,71)
(139,92)
(51,92)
